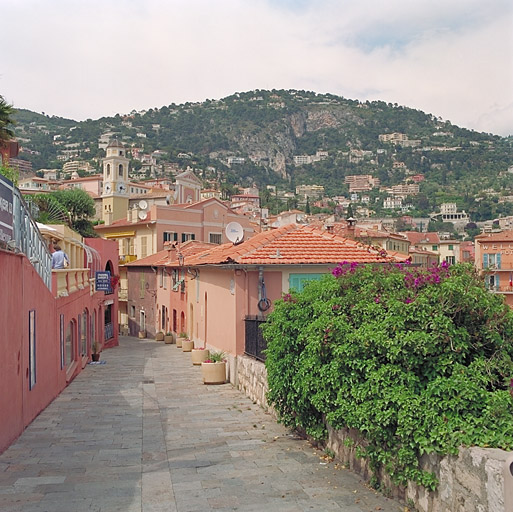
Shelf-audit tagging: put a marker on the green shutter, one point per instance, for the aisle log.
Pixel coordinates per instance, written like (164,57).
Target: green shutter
(298,281)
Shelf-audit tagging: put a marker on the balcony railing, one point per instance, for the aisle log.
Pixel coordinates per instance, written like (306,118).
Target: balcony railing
(70,280)
(501,289)
(28,240)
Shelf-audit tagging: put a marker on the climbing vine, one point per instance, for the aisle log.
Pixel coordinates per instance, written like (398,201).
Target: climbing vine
(419,361)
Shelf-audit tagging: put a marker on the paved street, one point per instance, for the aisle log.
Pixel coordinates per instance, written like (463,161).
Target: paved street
(141,433)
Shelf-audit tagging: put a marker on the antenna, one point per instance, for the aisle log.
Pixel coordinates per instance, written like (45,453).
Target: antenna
(234,232)
(142,215)
(143,204)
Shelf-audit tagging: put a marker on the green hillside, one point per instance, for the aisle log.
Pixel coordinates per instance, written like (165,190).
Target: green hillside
(265,130)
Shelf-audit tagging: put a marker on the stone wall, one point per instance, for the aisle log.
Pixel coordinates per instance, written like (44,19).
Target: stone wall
(472,481)
(252,381)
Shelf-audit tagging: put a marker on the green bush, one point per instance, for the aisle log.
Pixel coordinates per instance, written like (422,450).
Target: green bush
(419,361)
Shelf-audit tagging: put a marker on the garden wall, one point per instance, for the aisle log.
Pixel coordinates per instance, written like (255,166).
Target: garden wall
(472,481)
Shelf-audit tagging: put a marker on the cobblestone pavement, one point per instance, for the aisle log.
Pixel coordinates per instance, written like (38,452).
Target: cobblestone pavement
(141,433)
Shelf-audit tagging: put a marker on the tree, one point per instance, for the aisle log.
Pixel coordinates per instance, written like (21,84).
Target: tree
(307,208)
(6,121)
(80,207)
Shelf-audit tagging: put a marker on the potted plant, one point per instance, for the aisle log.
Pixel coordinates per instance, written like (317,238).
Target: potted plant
(214,368)
(187,345)
(198,355)
(180,338)
(95,356)
(159,336)
(169,338)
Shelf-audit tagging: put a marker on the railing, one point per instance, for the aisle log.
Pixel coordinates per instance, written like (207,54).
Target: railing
(70,280)
(109,331)
(501,289)
(28,239)
(254,339)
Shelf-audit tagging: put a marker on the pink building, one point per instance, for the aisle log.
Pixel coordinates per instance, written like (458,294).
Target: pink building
(49,320)
(231,288)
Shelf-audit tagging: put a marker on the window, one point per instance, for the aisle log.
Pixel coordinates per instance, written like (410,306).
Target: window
(188,236)
(298,281)
(170,236)
(108,169)
(434,248)
(131,311)
(142,286)
(451,247)
(174,278)
(120,170)
(83,334)
(492,260)
(61,339)
(214,238)
(450,259)
(144,246)
(32,348)
(70,344)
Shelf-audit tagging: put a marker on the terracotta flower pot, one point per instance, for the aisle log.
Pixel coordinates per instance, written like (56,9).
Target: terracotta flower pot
(168,339)
(214,373)
(159,336)
(199,355)
(187,345)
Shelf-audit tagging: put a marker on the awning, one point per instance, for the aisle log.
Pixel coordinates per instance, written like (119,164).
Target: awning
(124,234)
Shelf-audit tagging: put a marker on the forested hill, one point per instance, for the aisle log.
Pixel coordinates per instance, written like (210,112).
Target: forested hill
(254,137)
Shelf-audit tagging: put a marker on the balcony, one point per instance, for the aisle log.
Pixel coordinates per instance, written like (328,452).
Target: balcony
(123,294)
(127,258)
(67,281)
(501,289)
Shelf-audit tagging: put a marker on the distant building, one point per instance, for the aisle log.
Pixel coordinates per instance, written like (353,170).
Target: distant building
(361,182)
(312,191)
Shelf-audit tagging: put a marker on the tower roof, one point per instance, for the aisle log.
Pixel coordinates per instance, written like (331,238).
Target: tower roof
(114,143)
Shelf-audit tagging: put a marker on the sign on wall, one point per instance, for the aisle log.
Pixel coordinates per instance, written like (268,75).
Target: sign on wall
(103,281)
(6,208)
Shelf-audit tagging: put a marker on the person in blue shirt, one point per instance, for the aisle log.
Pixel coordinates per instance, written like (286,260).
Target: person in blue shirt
(59,258)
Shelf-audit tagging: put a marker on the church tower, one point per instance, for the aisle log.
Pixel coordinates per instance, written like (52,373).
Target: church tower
(115,183)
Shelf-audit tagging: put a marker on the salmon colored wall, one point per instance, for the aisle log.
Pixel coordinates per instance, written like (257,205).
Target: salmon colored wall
(221,309)
(24,290)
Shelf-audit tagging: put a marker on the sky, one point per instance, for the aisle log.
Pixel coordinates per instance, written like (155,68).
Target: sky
(90,58)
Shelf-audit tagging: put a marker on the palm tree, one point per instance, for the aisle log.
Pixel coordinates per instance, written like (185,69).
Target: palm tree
(6,121)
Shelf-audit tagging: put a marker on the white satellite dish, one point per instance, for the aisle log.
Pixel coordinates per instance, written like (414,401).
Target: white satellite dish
(142,215)
(234,232)
(143,204)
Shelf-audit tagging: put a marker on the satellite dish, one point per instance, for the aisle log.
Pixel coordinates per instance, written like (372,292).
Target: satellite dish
(234,232)
(142,215)
(143,204)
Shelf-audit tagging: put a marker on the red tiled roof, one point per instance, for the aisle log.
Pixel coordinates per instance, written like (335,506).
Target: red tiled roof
(168,257)
(495,237)
(291,245)
(123,223)
(421,238)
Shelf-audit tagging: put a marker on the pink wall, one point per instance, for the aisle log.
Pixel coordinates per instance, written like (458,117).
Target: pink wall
(225,312)
(24,291)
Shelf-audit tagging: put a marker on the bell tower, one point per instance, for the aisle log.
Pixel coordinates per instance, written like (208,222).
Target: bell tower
(115,183)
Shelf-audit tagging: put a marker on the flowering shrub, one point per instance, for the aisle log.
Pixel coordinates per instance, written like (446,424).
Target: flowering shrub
(216,357)
(419,361)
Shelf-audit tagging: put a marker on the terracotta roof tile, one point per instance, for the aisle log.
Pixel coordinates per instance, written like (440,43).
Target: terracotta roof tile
(292,245)
(168,257)
(495,237)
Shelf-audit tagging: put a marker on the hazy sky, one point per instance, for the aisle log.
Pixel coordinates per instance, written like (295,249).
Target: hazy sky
(90,58)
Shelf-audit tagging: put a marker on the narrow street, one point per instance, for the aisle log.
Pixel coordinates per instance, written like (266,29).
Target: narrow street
(141,433)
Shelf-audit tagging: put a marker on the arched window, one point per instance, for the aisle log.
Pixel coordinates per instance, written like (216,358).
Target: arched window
(120,170)
(108,169)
